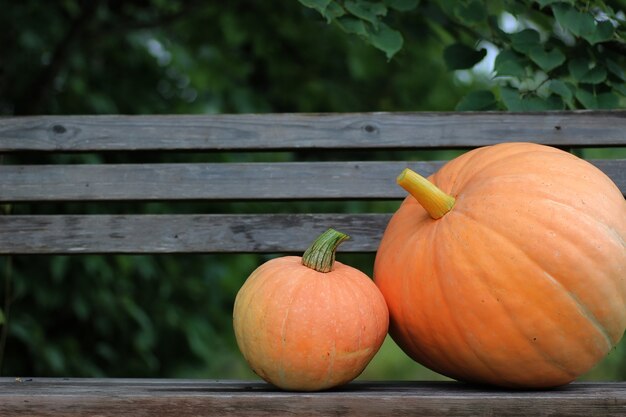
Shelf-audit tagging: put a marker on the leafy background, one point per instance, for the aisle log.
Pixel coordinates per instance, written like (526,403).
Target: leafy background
(171,315)
(549,55)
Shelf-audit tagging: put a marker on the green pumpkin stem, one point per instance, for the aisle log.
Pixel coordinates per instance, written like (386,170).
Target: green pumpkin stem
(435,202)
(321,254)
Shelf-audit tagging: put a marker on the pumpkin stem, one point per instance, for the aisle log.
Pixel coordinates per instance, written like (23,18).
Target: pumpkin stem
(321,254)
(435,202)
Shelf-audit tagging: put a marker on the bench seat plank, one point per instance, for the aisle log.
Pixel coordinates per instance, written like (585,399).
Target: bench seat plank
(39,397)
(179,233)
(309,131)
(223,181)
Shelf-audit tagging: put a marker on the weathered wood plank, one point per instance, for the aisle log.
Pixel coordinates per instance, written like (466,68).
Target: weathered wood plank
(266,233)
(309,131)
(218,181)
(41,397)
(232,181)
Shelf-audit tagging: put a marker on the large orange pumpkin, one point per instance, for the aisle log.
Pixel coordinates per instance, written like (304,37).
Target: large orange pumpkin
(511,268)
(309,323)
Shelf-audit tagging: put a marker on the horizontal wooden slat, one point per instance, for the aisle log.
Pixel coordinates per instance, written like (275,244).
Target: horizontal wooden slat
(232,181)
(217,181)
(63,234)
(39,397)
(309,131)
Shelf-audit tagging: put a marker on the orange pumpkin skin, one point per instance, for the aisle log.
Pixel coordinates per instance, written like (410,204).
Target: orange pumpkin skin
(305,330)
(523,282)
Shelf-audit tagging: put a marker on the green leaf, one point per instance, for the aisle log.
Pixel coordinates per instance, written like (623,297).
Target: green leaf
(578,68)
(366,10)
(544,3)
(579,23)
(327,8)
(587,99)
(511,99)
(583,71)
(477,101)
(3,318)
(447,6)
(597,101)
(525,40)
(620,88)
(319,5)
(603,32)
(460,56)
(615,69)
(554,102)
(514,101)
(583,24)
(560,88)
(402,5)
(508,63)
(386,39)
(352,25)
(547,60)
(472,11)
(595,75)
(608,100)
(333,11)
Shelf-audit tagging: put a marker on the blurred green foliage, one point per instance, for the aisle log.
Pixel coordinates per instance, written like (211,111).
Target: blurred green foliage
(551,55)
(153,316)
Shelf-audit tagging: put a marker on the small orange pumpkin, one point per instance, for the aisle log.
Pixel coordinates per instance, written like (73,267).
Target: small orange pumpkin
(309,323)
(508,267)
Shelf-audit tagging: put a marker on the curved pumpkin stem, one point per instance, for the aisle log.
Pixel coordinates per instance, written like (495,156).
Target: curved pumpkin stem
(435,202)
(321,254)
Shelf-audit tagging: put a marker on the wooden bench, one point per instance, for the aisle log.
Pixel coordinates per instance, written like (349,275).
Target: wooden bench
(306,177)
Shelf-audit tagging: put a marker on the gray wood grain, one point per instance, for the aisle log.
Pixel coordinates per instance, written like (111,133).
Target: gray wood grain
(309,131)
(215,181)
(41,397)
(268,233)
(232,181)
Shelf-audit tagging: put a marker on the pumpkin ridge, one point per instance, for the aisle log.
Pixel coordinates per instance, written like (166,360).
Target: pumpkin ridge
(247,310)
(514,245)
(477,157)
(446,303)
(283,332)
(465,161)
(412,343)
(277,277)
(549,196)
(525,178)
(618,238)
(417,245)
(412,244)
(360,290)
(584,310)
(350,285)
(588,215)
(333,348)
(495,162)
(579,212)
(612,232)
(505,310)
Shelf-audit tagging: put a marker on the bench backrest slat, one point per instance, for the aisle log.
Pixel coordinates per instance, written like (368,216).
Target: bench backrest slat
(220,181)
(309,131)
(175,233)
(232,181)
